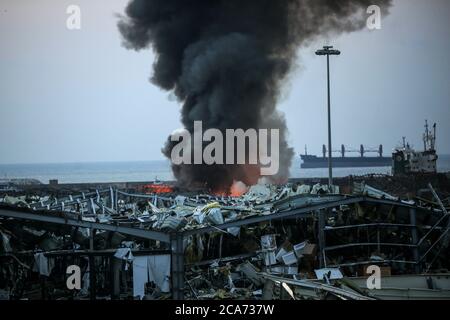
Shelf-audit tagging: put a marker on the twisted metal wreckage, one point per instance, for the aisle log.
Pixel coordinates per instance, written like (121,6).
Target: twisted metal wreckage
(285,242)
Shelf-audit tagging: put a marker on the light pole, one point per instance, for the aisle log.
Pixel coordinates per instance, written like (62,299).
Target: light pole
(327,51)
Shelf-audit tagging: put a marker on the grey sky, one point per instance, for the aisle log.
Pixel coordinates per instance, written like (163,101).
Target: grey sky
(68,96)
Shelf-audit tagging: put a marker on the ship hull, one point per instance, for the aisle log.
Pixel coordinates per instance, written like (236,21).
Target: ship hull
(310,162)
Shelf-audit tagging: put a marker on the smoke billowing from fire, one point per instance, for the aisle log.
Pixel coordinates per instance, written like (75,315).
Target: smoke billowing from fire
(226,61)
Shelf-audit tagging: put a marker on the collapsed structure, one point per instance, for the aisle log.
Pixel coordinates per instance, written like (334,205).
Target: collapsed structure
(295,241)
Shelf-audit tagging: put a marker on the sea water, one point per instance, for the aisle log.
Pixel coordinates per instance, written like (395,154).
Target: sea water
(135,171)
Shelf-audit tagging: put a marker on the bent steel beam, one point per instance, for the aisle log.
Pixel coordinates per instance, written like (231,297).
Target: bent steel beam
(36,216)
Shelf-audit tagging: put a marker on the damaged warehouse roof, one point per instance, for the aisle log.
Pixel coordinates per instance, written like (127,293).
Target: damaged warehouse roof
(231,247)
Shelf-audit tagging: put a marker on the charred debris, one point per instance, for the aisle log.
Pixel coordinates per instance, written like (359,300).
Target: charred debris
(295,241)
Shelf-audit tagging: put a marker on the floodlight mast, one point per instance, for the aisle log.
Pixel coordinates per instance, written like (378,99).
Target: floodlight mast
(327,51)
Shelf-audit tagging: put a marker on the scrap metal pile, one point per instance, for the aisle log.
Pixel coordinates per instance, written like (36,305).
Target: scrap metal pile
(165,212)
(273,242)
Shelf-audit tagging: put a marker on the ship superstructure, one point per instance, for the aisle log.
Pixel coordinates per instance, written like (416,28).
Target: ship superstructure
(406,160)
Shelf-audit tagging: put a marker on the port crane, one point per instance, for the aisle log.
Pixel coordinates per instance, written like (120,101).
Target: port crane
(362,150)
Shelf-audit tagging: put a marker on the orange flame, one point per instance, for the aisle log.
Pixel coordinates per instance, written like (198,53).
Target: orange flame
(157,188)
(236,190)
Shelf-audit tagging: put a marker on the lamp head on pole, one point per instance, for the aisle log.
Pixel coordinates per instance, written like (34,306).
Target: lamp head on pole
(327,50)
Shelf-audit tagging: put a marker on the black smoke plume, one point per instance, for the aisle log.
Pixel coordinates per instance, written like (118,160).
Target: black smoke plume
(226,61)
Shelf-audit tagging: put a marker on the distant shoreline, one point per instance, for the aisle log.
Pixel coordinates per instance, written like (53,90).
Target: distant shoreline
(119,161)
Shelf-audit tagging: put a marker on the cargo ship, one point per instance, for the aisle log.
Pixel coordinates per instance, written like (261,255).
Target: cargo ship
(312,161)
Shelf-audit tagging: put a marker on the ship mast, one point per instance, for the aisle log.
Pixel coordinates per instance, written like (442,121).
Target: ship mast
(429,139)
(425,137)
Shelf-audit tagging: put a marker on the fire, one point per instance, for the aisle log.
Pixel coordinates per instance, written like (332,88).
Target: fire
(157,188)
(236,190)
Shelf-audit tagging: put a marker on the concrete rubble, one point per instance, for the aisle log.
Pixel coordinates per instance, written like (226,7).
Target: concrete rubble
(295,241)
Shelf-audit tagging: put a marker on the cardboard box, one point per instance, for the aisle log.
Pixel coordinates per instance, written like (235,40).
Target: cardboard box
(310,249)
(299,248)
(290,258)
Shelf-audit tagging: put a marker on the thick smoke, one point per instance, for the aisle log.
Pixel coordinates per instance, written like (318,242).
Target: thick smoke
(226,61)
